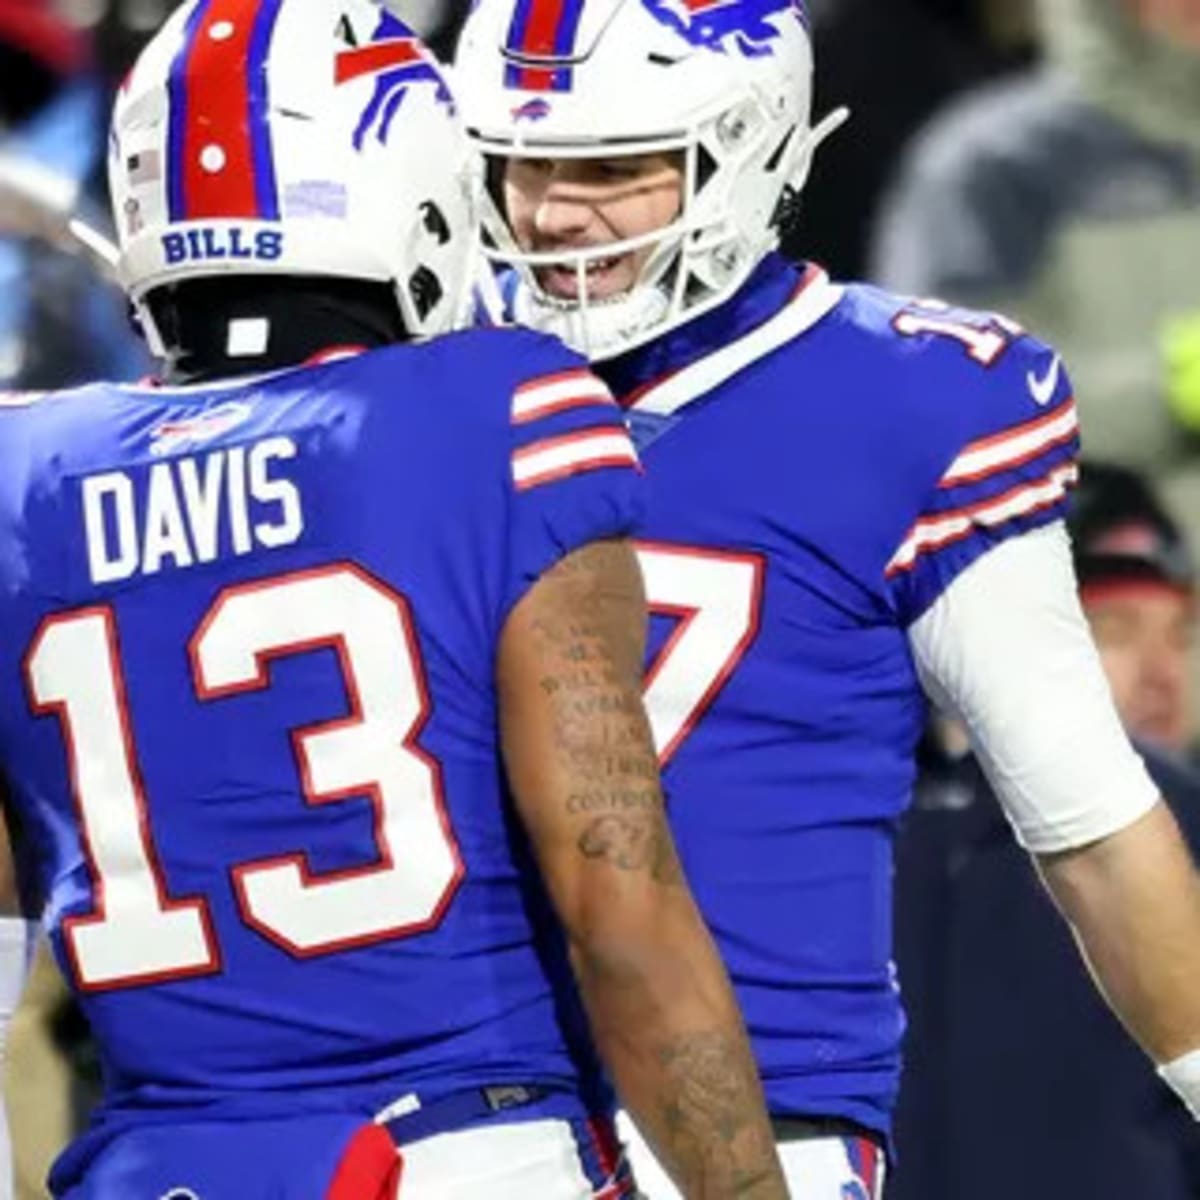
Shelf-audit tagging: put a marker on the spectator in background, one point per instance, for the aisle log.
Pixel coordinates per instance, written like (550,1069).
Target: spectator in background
(1137,584)
(1011,1060)
(1069,198)
(894,64)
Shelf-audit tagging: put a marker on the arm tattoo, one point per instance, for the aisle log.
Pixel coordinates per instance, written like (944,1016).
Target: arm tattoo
(593,661)
(711,1110)
(662,1011)
(633,844)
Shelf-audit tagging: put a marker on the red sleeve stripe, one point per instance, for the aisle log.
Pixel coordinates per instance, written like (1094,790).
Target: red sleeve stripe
(934,533)
(1013,447)
(556,393)
(555,458)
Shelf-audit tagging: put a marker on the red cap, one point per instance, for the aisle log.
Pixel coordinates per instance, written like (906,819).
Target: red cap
(36,27)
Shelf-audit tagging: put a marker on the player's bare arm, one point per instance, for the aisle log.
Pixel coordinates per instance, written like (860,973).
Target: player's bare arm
(584,771)
(1133,900)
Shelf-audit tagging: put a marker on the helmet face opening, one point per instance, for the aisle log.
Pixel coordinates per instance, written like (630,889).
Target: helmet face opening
(585,234)
(297,138)
(724,86)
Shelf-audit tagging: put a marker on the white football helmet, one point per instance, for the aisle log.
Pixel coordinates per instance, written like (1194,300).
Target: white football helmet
(294,137)
(726,82)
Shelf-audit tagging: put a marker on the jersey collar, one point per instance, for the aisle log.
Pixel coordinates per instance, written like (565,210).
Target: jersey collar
(777,304)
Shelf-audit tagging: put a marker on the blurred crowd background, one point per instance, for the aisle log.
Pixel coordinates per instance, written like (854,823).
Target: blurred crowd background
(1035,157)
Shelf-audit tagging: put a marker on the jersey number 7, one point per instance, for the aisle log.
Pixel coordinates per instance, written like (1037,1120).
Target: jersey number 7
(717,597)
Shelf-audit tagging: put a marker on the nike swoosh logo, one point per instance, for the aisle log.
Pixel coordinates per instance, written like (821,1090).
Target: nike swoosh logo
(1042,389)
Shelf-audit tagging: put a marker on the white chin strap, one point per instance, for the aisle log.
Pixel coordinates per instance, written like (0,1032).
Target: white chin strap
(599,329)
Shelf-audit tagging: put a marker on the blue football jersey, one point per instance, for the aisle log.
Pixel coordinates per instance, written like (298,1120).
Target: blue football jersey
(822,463)
(248,718)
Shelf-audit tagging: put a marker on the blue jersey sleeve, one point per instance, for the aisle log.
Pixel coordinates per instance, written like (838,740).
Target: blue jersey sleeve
(1008,468)
(573,473)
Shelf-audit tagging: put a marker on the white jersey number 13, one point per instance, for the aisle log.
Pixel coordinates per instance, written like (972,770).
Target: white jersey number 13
(137,933)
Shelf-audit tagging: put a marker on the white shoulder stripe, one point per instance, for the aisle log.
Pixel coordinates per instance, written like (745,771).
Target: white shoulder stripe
(1013,447)
(932,533)
(553,458)
(555,393)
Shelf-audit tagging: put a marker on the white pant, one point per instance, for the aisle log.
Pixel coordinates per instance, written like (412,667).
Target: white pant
(830,1168)
(502,1162)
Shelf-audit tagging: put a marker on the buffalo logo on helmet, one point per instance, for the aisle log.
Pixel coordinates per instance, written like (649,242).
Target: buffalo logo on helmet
(742,25)
(396,59)
(536,109)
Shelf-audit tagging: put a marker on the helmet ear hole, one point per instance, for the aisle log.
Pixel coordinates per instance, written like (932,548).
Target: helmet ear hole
(425,291)
(786,217)
(435,222)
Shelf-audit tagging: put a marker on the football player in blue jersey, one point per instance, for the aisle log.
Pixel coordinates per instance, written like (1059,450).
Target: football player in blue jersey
(855,501)
(270,631)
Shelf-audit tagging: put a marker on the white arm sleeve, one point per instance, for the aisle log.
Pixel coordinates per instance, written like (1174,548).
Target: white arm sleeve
(1007,649)
(16,950)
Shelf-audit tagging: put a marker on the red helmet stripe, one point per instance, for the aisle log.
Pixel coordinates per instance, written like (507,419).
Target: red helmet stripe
(542,29)
(220,156)
(541,25)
